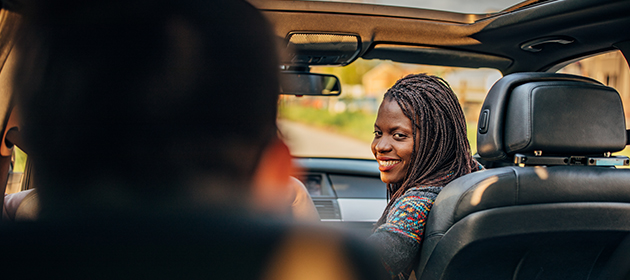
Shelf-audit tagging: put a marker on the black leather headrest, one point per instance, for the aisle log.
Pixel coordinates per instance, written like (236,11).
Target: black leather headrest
(557,114)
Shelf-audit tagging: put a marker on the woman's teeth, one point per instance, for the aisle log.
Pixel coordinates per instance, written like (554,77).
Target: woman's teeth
(387,163)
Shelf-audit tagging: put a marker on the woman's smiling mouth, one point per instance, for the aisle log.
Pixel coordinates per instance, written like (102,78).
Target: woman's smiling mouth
(386,165)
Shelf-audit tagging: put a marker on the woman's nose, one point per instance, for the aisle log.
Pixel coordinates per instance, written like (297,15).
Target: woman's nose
(382,146)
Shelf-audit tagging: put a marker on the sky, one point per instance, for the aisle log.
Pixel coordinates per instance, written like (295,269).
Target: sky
(462,6)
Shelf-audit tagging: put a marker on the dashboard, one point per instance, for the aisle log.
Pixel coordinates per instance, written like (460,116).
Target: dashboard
(347,193)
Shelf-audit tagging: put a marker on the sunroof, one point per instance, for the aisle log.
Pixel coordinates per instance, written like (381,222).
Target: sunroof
(459,6)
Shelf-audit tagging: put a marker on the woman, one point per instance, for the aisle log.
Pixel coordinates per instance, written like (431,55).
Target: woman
(420,144)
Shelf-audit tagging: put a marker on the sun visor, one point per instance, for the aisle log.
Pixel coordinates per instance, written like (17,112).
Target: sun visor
(436,56)
(321,48)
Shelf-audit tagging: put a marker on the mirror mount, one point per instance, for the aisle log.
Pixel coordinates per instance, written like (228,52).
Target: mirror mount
(295,68)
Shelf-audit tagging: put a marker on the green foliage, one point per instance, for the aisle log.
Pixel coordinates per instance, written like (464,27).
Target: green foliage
(472,136)
(351,74)
(19,160)
(358,125)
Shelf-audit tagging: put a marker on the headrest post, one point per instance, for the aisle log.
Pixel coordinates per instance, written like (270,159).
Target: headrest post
(525,160)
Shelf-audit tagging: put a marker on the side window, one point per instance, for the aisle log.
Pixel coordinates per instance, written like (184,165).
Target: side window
(610,69)
(16,173)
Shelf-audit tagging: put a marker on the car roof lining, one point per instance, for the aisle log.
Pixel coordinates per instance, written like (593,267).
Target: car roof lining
(366,10)
(595,26)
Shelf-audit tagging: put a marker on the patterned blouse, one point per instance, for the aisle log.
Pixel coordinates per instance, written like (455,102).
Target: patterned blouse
(400,237)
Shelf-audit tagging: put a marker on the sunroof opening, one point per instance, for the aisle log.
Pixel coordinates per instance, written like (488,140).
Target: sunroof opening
(459,6)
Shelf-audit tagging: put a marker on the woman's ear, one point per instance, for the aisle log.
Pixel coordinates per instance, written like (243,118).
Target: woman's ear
(270,186)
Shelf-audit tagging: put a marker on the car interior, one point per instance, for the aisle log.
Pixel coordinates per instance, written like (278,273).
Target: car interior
(563,213)
(554,200)
(545,138)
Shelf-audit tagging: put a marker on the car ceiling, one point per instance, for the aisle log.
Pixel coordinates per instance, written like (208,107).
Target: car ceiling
(468,40)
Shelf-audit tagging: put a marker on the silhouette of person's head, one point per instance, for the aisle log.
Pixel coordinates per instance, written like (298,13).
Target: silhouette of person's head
(131,103)
(139,113)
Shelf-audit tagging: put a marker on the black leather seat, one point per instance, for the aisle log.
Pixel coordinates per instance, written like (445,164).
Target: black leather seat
(562,213)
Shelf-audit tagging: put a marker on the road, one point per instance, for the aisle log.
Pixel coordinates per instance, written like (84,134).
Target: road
(304,140)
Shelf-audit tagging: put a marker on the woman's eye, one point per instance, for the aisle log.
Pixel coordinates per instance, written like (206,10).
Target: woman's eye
(399,136)
(378,133)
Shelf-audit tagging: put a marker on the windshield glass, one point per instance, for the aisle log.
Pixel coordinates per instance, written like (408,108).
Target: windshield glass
(343,126)
(460,6)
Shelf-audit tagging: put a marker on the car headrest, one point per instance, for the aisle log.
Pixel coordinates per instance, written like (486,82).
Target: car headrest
(556,114)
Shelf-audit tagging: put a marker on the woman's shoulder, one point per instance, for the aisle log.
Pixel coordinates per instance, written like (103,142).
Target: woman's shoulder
(423,191)
(420,195)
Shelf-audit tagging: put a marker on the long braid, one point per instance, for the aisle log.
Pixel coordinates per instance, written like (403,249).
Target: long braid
(439,133)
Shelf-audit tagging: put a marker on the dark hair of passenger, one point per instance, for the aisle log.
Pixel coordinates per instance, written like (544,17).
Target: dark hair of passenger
(147,97)
(439,133)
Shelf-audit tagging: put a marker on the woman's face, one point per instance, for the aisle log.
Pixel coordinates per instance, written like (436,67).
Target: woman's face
(393,142)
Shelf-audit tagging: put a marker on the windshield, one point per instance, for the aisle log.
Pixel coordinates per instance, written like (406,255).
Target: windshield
(343,126)
(460,6)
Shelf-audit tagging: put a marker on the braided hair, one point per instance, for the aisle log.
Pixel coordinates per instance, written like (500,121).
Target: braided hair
(439,132)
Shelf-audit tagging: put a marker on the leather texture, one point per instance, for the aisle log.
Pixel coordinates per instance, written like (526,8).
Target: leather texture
(537,222)
(490,145)
(569,117)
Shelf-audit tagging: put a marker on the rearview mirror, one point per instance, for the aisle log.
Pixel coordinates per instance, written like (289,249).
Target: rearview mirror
(305,83)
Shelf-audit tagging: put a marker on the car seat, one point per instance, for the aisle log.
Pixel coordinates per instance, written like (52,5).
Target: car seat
(21,206)
(562,211)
